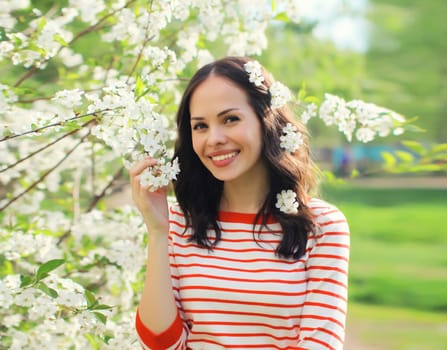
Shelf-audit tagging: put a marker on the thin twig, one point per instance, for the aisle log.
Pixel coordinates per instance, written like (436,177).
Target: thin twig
(38,181)
(46,146)
(93,203)
(26,76)
(98,197)
(87,30)
(145,42)
(53,125)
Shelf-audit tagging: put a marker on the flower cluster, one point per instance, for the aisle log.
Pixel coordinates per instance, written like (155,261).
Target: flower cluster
(280,94)
(254,70)
(286,202)
(71,138)
(365,120)
(291,139)
(160,175)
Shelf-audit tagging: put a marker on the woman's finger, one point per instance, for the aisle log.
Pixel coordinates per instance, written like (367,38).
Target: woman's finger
(138,167)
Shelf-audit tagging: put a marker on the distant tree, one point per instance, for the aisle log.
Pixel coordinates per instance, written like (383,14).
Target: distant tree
(406,63)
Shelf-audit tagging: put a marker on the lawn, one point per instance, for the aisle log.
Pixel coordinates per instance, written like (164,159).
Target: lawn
(373,327)
(398,266)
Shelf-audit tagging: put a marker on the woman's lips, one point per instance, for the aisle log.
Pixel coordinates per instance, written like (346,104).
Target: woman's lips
(223,159)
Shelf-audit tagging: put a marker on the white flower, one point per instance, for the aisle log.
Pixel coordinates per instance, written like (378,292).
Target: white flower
(69,98)
(364,134)
(286,202)
(160,175)
(26,298)
(254,70)
(292,139)
(310,112)
(280,94)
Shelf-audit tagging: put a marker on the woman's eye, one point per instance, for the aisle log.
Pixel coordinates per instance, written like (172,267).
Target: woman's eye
(199,126)
(231,119)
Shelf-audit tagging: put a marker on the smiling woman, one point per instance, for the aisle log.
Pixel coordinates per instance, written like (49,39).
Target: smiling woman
(247,258)
(226,136)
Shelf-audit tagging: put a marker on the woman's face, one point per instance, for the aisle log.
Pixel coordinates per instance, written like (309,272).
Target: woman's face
(226,133)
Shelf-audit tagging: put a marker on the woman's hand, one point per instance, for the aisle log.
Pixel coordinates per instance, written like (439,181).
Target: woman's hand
(152,205)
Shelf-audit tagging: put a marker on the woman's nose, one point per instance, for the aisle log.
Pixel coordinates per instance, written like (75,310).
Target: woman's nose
(216,136)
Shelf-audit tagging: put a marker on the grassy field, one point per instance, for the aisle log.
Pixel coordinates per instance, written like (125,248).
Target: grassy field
(373,327)
(398,269)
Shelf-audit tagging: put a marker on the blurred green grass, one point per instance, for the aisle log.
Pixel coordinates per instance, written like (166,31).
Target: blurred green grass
(399,245)
(398,266)
(391,328)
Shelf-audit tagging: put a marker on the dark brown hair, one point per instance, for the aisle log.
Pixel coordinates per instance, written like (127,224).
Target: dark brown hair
(198,192)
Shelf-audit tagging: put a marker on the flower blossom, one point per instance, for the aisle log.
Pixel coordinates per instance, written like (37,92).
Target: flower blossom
(286,202)
(280,95)
(254,70)
(292,139)
(310,112)
(160,175)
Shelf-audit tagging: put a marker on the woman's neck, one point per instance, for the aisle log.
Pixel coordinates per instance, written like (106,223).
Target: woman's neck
(244,196)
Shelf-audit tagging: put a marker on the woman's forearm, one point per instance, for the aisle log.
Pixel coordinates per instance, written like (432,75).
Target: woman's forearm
(157,306)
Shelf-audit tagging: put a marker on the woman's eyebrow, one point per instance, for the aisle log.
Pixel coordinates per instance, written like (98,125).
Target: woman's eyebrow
(220,114)
(226,111)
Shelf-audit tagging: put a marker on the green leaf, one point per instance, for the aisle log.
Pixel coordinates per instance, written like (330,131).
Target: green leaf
(406,157)
(47,290)
(93,340)
(282,16)
(390,160)
(427,168)
(91,299)
(273,5)
(102,318)
(139,87)
(312,99)
(71,125)
(302,92)
(415,146)
(442,147)
(101,307)
(47,267)
(60,40)
(355,173)
(41,24)
(26,281)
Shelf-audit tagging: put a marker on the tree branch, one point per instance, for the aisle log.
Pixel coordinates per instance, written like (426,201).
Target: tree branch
(98,197)
(46,146)
(94,202)
(146,40)
(38,181)
(87,30)
(53,125)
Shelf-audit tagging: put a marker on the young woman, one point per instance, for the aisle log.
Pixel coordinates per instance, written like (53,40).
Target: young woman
(247,258)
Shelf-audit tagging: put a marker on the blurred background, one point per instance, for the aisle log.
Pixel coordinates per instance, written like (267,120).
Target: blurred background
(392,53)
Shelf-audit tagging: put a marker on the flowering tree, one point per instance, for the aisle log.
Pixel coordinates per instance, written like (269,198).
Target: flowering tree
(85,90)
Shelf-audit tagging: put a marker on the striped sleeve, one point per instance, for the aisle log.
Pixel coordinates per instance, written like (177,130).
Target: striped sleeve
(169,339)
(324,311)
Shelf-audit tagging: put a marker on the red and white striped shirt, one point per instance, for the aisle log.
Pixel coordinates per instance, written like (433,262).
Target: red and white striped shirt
(242,296)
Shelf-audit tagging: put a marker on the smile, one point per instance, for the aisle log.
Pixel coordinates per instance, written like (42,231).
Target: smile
(222,157)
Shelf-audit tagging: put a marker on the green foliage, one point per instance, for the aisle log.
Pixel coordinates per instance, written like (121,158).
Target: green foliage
(406,65)
(416,158)
(41,273)
(313,67)
(398,245)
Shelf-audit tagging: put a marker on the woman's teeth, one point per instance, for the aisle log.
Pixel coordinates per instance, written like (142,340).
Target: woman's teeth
(224,156)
